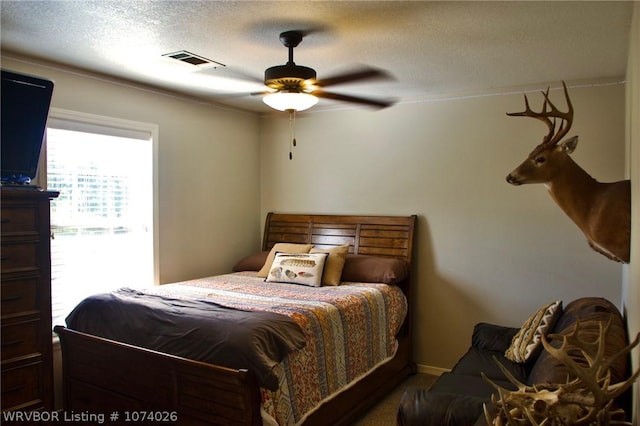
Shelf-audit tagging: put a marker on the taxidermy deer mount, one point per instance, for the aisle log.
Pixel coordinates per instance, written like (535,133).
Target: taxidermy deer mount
(601,210)
(585,399)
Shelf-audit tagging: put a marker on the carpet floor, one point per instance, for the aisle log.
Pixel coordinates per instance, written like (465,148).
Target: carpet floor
(384,413)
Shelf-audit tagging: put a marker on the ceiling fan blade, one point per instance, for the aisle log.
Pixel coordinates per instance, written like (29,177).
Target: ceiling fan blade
(377,103)
(263,92)
(357,75)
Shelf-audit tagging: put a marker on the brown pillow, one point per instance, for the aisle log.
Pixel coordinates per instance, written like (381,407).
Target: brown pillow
(252,262)
(374,269)
(335,263)
(282,248)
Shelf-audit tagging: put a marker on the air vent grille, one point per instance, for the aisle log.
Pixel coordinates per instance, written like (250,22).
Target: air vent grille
(193,59)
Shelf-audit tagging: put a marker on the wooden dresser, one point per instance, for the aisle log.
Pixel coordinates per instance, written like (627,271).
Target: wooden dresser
(26,357)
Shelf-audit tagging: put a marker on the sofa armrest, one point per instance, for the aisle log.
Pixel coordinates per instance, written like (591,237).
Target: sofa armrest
(492,337)
(419,407)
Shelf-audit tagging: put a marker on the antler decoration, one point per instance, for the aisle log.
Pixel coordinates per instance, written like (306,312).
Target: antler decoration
(585,399)
(548,112)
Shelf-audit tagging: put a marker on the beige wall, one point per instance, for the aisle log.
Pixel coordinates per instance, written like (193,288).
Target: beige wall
(632,282)
(208,164)
(486,250)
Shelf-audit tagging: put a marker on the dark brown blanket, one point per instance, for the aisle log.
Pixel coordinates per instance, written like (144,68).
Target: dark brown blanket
(194,329)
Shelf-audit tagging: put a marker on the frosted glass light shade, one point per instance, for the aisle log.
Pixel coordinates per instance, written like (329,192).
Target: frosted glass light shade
(284,101)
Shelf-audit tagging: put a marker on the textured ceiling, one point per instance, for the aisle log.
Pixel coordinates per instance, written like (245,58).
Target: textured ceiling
(433,49)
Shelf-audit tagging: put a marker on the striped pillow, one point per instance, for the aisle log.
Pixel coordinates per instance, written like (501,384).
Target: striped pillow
(528,340)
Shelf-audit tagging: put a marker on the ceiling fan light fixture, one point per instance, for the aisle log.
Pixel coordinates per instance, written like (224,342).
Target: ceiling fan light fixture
(284,101)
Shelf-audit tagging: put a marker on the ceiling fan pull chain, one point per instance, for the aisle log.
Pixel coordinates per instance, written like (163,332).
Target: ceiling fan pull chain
(292,126)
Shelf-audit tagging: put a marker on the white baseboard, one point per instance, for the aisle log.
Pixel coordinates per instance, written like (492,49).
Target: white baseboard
(434,371)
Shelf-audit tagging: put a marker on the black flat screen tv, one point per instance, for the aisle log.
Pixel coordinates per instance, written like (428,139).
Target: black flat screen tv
(24,111)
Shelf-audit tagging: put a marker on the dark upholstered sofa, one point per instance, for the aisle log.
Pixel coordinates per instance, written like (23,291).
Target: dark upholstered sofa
(457,397)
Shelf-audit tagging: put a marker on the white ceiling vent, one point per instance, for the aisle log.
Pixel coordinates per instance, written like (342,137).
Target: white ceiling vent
(193,59)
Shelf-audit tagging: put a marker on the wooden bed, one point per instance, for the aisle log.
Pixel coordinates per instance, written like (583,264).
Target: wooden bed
(101,375)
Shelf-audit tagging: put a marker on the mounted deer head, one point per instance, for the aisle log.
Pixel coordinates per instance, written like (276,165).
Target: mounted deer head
(601,210)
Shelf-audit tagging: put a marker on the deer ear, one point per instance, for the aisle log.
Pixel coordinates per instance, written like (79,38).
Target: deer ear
(570,144)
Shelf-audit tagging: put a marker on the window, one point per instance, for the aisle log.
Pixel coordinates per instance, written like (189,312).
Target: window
(102,222)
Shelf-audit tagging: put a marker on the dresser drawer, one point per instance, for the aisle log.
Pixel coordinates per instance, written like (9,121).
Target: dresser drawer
(22,385)
(18,220)
(20,339)
(19,256)
(19,296)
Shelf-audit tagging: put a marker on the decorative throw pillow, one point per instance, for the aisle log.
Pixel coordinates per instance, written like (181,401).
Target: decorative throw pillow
(334,264)
(283,248)
(528,341)
(300,268)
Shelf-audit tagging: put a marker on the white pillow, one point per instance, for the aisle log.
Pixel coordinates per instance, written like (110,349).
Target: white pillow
(284,248)
(298,268)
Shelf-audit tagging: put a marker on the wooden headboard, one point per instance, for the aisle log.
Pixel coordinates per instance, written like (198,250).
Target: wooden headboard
(390,236)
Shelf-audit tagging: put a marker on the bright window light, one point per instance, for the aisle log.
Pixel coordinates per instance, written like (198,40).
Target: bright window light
(102,222)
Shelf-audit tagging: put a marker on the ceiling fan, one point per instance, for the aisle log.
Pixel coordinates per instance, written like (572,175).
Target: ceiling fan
(296,87)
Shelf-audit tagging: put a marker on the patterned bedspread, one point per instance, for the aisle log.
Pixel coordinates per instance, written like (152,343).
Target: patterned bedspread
(349,329)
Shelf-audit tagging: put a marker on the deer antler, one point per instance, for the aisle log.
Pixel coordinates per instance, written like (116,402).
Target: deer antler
(585,399)
(596,377)
(517,400)
(549,111)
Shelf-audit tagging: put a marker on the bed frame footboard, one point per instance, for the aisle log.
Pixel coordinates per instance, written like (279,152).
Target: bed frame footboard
(136,379)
